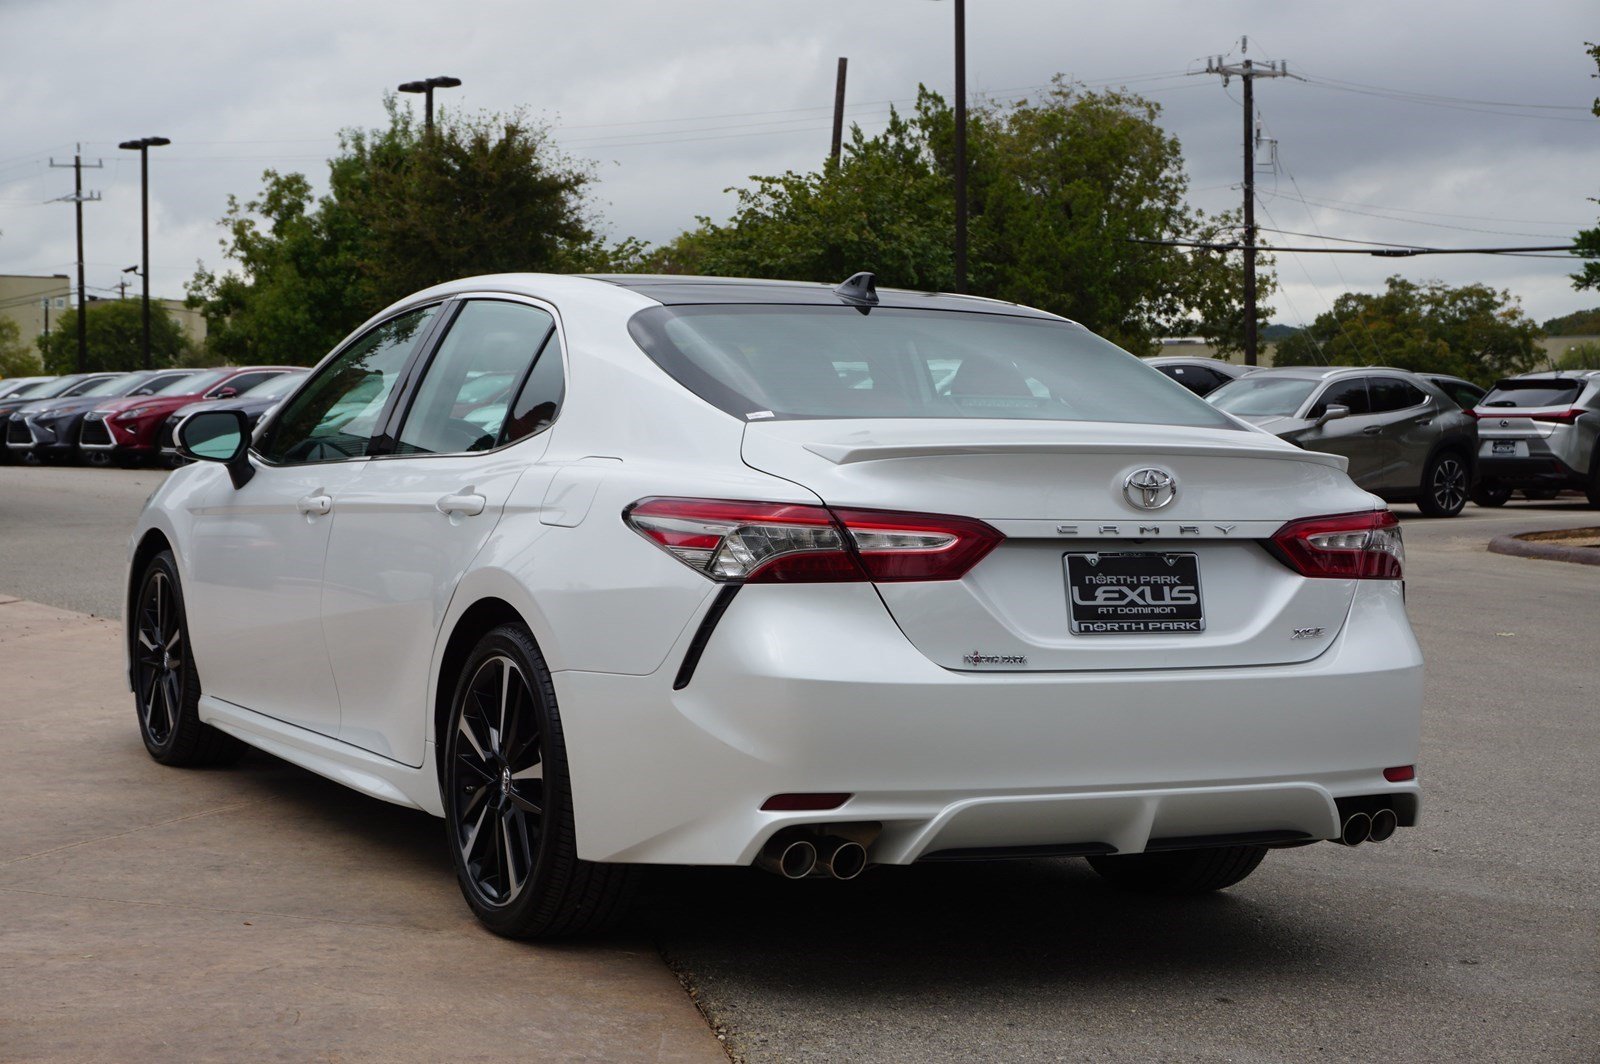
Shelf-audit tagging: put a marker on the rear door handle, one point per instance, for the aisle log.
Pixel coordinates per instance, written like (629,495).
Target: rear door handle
(467,505)
(1372,430)
(315,504)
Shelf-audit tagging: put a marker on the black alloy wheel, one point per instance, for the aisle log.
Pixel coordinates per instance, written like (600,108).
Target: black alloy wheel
(508,803)
(166,686)
(1444,486)
(1491,494)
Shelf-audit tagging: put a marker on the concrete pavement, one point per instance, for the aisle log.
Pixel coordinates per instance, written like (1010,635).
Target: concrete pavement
(258,912)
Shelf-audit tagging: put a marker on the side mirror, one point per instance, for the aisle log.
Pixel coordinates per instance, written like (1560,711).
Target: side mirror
(218,436)
(226,393)
(1332,413)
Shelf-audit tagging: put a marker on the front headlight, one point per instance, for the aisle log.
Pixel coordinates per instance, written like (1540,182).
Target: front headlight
(135,414)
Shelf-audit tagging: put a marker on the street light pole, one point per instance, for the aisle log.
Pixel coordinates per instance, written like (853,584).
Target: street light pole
(961,145)
(426,87)
(143,146)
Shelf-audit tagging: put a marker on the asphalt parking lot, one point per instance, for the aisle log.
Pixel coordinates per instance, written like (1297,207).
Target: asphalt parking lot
(261,911)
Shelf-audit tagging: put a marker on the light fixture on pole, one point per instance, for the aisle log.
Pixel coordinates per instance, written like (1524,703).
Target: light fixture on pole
(426,87)
(143,146)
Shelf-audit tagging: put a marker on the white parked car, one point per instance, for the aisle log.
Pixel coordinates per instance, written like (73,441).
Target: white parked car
(775,573)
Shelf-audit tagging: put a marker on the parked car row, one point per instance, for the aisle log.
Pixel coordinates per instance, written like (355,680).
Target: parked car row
(1428,438)
(125,418)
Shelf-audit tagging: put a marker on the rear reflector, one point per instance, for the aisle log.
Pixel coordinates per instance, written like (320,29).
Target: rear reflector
(1400,773)
(769,542)
(1363,546)
(795,803)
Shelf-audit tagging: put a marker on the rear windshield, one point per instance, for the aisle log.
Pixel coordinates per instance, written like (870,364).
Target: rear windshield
(1549,392)
(1259,396)
(790,362)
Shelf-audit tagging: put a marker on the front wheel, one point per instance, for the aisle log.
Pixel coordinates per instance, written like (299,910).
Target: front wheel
(508,801)
(1491,494)
(1179,871)
(1444,486)
(166,685)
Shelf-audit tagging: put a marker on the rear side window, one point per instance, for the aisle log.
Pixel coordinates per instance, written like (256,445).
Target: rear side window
(466,395)
(1465,395)
(1392,393)
(789,362)
(1534,392)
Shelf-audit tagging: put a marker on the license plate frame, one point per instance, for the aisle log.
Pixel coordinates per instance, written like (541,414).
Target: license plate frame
(1504,447)
(1155,589)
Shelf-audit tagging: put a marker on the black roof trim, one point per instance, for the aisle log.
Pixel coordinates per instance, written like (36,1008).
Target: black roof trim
(680,290)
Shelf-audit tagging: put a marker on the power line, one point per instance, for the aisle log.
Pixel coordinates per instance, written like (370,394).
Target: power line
(1385,252)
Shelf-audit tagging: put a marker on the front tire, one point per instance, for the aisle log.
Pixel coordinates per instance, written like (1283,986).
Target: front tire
(1179,871)
(508,801)
(1444,485)
(166,686)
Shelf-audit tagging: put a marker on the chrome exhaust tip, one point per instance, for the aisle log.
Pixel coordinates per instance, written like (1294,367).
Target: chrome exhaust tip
(846,859)
(1384,824)
(1356,830)
(791,858)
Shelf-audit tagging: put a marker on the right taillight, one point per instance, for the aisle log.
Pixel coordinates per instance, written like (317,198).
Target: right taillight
(766,542)
(1363,546)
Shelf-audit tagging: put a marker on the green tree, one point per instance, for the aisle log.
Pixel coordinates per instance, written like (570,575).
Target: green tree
(1585,355)
(15,358)
(1058,189)
(114,334)
(1470,331)
(404,210)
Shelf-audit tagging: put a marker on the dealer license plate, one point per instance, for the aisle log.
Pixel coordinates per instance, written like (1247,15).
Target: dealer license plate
(1505,446)
(1134,592)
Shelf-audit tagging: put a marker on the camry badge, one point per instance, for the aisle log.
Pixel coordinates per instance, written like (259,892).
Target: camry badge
(1150,488)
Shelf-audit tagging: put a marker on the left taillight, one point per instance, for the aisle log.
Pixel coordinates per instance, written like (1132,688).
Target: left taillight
(764,542)
(1361,546)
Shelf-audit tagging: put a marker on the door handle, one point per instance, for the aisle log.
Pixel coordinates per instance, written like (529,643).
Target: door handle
(468,505)
(1372,430)
(315,504)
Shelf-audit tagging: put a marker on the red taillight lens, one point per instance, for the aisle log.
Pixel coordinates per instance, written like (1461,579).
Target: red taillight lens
(762,542)
(1560,417)
(1364,546)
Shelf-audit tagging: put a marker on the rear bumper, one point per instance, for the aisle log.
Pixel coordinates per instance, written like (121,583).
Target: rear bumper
(1538,463)
(814,689)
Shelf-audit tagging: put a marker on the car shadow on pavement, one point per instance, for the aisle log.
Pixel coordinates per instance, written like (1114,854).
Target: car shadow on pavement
(898,933)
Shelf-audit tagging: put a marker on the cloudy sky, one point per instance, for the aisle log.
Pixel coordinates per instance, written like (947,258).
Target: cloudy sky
(1450,123)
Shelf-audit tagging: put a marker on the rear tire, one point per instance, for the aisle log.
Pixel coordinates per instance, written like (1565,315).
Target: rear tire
(1179,871)
(1444,485)
(166,684)
(508,801)
(1491,494)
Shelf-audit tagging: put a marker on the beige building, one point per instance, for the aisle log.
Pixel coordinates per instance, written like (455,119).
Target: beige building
(36,303)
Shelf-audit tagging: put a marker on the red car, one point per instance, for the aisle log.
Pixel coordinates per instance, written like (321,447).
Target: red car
(125,431)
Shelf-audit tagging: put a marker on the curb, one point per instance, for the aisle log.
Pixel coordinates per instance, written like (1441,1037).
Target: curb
(1518,547)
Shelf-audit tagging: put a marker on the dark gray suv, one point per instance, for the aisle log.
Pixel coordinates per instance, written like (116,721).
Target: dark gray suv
(1406,439)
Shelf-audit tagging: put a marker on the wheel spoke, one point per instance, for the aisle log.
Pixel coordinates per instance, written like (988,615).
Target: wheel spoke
(513,881)
(477,747)
(473,834)
(534,771)
(145,640)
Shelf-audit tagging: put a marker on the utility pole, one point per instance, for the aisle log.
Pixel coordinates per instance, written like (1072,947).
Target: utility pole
(838,111)
(961,145)
(1247,70)
(78,199)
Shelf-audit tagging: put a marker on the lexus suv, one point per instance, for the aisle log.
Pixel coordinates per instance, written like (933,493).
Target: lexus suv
(619,571)
(1537,433)
(47,430)
(126,431)
(61,387)
(1406,440)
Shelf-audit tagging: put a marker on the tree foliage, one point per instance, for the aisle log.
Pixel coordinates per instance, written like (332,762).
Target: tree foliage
(404,210)
(1578,323)
(1057,189)
(1585,355)
(1472,331)
(114,333)
(15,358)
(1587,242)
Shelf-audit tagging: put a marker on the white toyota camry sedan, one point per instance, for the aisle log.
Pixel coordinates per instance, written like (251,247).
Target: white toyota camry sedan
(629,570)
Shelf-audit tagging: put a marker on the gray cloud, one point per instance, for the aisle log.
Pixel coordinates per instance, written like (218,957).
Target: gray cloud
(676,102)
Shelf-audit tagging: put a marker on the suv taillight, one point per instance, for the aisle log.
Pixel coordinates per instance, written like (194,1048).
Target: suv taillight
(774,542)
(1364,546)
(1555,417)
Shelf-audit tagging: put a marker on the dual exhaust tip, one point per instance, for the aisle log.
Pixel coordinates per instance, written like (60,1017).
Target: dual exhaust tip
(825,855)
(1376,826)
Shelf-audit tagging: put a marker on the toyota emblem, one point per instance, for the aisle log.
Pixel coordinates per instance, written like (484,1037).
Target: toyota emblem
(1150,488)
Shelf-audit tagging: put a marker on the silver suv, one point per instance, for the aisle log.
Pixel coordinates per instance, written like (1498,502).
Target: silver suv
(1537,434)
(1406,439)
